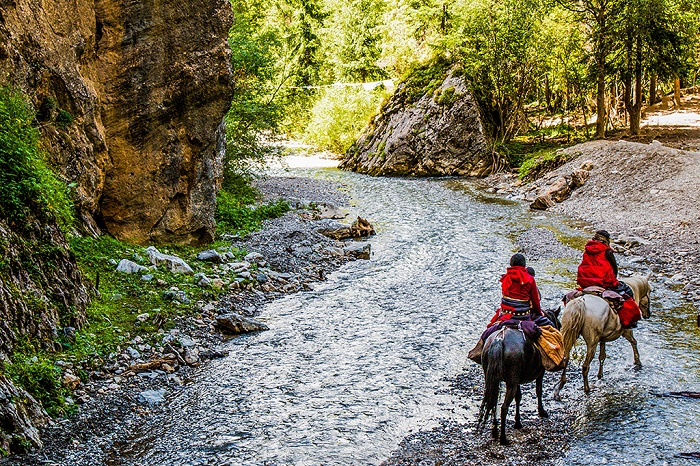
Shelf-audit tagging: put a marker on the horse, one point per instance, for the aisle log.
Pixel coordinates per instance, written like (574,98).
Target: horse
(509,357)
(592,317)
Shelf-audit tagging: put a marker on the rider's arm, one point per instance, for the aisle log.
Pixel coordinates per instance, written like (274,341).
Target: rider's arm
(535,298)
(610,256)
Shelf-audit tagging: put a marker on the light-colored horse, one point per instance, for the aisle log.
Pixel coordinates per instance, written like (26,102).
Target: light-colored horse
(591,317)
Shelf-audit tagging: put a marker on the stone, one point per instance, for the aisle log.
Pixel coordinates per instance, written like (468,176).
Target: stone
(191,356)
(361,228)
(254,257)
(579,178)
(333,229)
(172,263)
(333,251)
(559,190)
(178,296)
(261,278)
(143,317)
(358,250)
(542,202)
(127,266)
(218,284)
(147,278)
(70,380)
(237,267)
(438,133)
(152,397)
(330,211)
(210,255)
(186,341)
(237,324)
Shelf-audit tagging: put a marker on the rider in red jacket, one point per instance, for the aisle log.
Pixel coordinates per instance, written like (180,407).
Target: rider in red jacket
(520,296)
(599,268)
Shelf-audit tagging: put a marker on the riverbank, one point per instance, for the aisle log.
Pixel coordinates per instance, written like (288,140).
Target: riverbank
(286,256)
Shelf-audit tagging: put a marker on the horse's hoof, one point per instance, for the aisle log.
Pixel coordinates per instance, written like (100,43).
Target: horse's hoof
(544,414)
(637,366)
(556,397)
(517,425)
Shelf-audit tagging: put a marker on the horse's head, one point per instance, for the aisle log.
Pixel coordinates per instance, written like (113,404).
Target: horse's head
(553,315)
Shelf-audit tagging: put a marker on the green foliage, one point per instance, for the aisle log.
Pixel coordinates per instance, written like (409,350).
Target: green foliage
(236,212)
(64,119)
(29,187)
(541,161)
(339,116)
(32,370)
(424,78)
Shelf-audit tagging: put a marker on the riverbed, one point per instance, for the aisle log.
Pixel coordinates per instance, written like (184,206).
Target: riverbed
(370,356)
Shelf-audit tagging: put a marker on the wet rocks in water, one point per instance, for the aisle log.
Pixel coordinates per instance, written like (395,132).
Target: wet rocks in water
(127,266)
(172,263)
(152,397)
(361,228)
(237,324)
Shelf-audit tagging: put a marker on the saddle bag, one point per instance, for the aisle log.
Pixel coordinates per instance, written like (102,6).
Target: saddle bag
(551,348)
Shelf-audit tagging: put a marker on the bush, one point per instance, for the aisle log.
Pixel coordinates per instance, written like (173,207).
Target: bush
(28,185)
(236,212)
(40,377)
(339,115)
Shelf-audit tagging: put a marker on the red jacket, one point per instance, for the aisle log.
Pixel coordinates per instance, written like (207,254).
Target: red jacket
(518,284)
(595,269)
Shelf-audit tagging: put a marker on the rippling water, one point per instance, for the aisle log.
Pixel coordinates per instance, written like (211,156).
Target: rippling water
(350,368)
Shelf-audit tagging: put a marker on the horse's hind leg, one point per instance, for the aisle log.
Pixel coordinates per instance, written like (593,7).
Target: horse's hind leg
(510,394)
(518,397)
(590,352)
(630,337)
(538,390)
(562,381)
(601,359)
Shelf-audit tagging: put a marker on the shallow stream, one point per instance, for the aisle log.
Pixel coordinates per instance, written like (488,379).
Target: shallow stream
(348,369)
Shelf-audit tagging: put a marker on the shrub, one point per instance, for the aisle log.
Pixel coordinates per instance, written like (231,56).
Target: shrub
(28,185)
(40,377)
(235,210)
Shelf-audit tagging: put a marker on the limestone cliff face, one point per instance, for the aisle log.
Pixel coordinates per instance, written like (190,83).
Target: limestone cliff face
(440,134)
(131,96)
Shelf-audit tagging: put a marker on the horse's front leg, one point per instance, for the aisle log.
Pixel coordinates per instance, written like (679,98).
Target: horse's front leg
(630,337)
(518,397)
(538,389)
(510,394)
(601,359)
(590,353)
(562,381)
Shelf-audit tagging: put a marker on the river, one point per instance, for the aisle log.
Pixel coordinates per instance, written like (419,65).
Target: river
(348,369)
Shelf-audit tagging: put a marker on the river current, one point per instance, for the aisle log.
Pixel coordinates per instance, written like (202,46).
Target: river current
(348,369)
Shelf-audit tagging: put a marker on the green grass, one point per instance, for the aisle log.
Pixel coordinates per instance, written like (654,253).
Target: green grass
(237,211)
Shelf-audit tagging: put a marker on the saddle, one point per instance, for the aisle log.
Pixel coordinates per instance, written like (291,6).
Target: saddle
(614,299)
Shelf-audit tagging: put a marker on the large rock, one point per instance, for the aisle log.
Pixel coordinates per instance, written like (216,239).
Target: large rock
(172,263)
(236,323)
(131,97)
(20,417)
(440,134)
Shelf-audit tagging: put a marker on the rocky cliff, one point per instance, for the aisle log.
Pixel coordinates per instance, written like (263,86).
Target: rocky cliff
(131,97)
(439,134)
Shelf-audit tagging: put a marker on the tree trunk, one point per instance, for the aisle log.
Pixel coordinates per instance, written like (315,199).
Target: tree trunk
(677,92)
(600,103)
(547,93)
(652,89)
(636,108)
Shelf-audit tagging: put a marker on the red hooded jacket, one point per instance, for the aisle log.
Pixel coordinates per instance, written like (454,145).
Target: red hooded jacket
(595,269)
(518,284)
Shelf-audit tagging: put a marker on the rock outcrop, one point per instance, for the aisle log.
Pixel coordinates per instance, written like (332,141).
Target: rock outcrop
(130,96)
(440,134)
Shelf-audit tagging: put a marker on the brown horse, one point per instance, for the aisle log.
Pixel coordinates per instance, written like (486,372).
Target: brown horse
(509,357)
(592,317)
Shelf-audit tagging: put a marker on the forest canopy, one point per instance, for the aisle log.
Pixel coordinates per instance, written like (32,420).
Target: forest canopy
(299,65)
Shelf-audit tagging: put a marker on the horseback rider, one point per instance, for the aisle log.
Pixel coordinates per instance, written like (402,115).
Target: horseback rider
(520,301)
(599,268)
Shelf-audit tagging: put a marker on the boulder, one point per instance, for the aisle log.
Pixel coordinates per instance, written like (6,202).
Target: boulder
(358,250)
(127,266)
(333,229)
(360,228)
(543,202)
(438,133)
(330,211)
(210,255)
(172,263)
(21,417)
(237,324)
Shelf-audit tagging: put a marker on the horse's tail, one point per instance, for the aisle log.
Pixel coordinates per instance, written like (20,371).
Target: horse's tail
(494,375)
(572,323)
